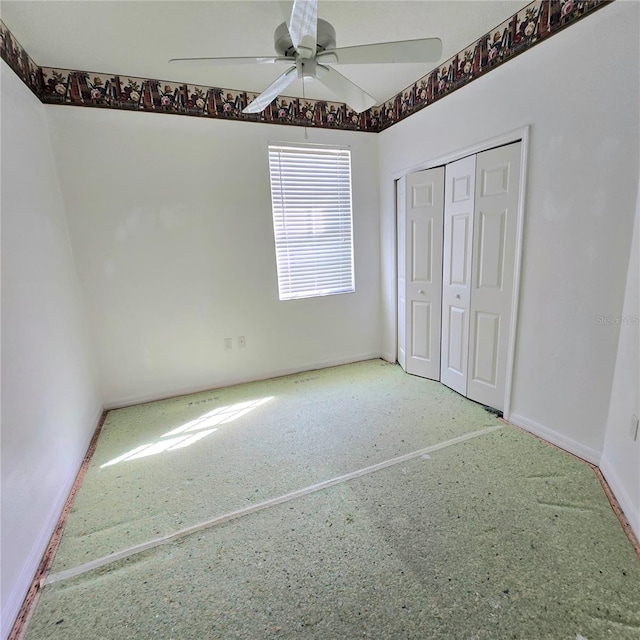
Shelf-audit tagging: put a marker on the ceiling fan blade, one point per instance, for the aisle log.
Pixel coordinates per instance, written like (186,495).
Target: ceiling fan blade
(271,92)
(228,61)
(422,50)
(303,27)
(347,91)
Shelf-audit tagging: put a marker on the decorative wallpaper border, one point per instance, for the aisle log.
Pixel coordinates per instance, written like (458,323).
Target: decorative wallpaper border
(533,24)
(17,58)
(89,89)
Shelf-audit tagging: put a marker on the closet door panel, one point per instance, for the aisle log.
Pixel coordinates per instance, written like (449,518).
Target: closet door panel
(494,242)
(401,221)
(460,179)
(420,274)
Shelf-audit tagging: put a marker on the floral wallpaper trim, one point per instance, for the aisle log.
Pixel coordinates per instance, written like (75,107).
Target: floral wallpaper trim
(531,25)
(17,58)
(90,89)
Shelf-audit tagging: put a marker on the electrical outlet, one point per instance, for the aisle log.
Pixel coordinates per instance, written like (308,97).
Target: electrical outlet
(242,342)
(228,343)
(635,423)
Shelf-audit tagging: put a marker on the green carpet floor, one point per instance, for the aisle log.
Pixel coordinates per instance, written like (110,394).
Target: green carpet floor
(498,537)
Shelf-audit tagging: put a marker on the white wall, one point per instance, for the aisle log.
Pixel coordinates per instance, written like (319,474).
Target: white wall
(170,220)
(579,92)
(50,399)
(621,457)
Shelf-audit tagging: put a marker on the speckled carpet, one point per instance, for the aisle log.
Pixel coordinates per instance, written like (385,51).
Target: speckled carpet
(499,536)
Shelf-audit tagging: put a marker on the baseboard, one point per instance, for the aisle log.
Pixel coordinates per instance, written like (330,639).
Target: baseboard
(128,401)
(630,510)
(23,584)
(559,439)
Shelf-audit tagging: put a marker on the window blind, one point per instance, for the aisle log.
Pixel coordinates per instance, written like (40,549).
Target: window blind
(312,220)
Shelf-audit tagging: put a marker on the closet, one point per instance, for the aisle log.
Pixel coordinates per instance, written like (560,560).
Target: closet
(457,238)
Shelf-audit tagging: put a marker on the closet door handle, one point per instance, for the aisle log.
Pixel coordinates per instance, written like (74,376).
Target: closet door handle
(420,291)
(457,296)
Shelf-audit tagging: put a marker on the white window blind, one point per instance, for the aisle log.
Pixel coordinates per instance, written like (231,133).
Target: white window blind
(312,222)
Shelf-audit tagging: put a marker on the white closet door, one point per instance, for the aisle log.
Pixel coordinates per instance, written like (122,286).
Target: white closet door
(401,225)
(420,282)
(494,239)
(456,286)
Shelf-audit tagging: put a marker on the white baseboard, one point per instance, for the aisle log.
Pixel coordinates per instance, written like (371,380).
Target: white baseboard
(22,585)
(128,401)
(559,439)
(631,511)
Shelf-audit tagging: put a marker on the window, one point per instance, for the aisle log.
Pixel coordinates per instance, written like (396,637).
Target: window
(311,203)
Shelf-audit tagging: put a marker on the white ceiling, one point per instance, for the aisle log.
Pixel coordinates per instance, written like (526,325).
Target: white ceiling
(137,38)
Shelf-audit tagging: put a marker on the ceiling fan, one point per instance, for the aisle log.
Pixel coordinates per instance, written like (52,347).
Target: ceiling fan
(308,44)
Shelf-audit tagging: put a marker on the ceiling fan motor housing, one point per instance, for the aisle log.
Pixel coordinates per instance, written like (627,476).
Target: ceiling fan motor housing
(326,39)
